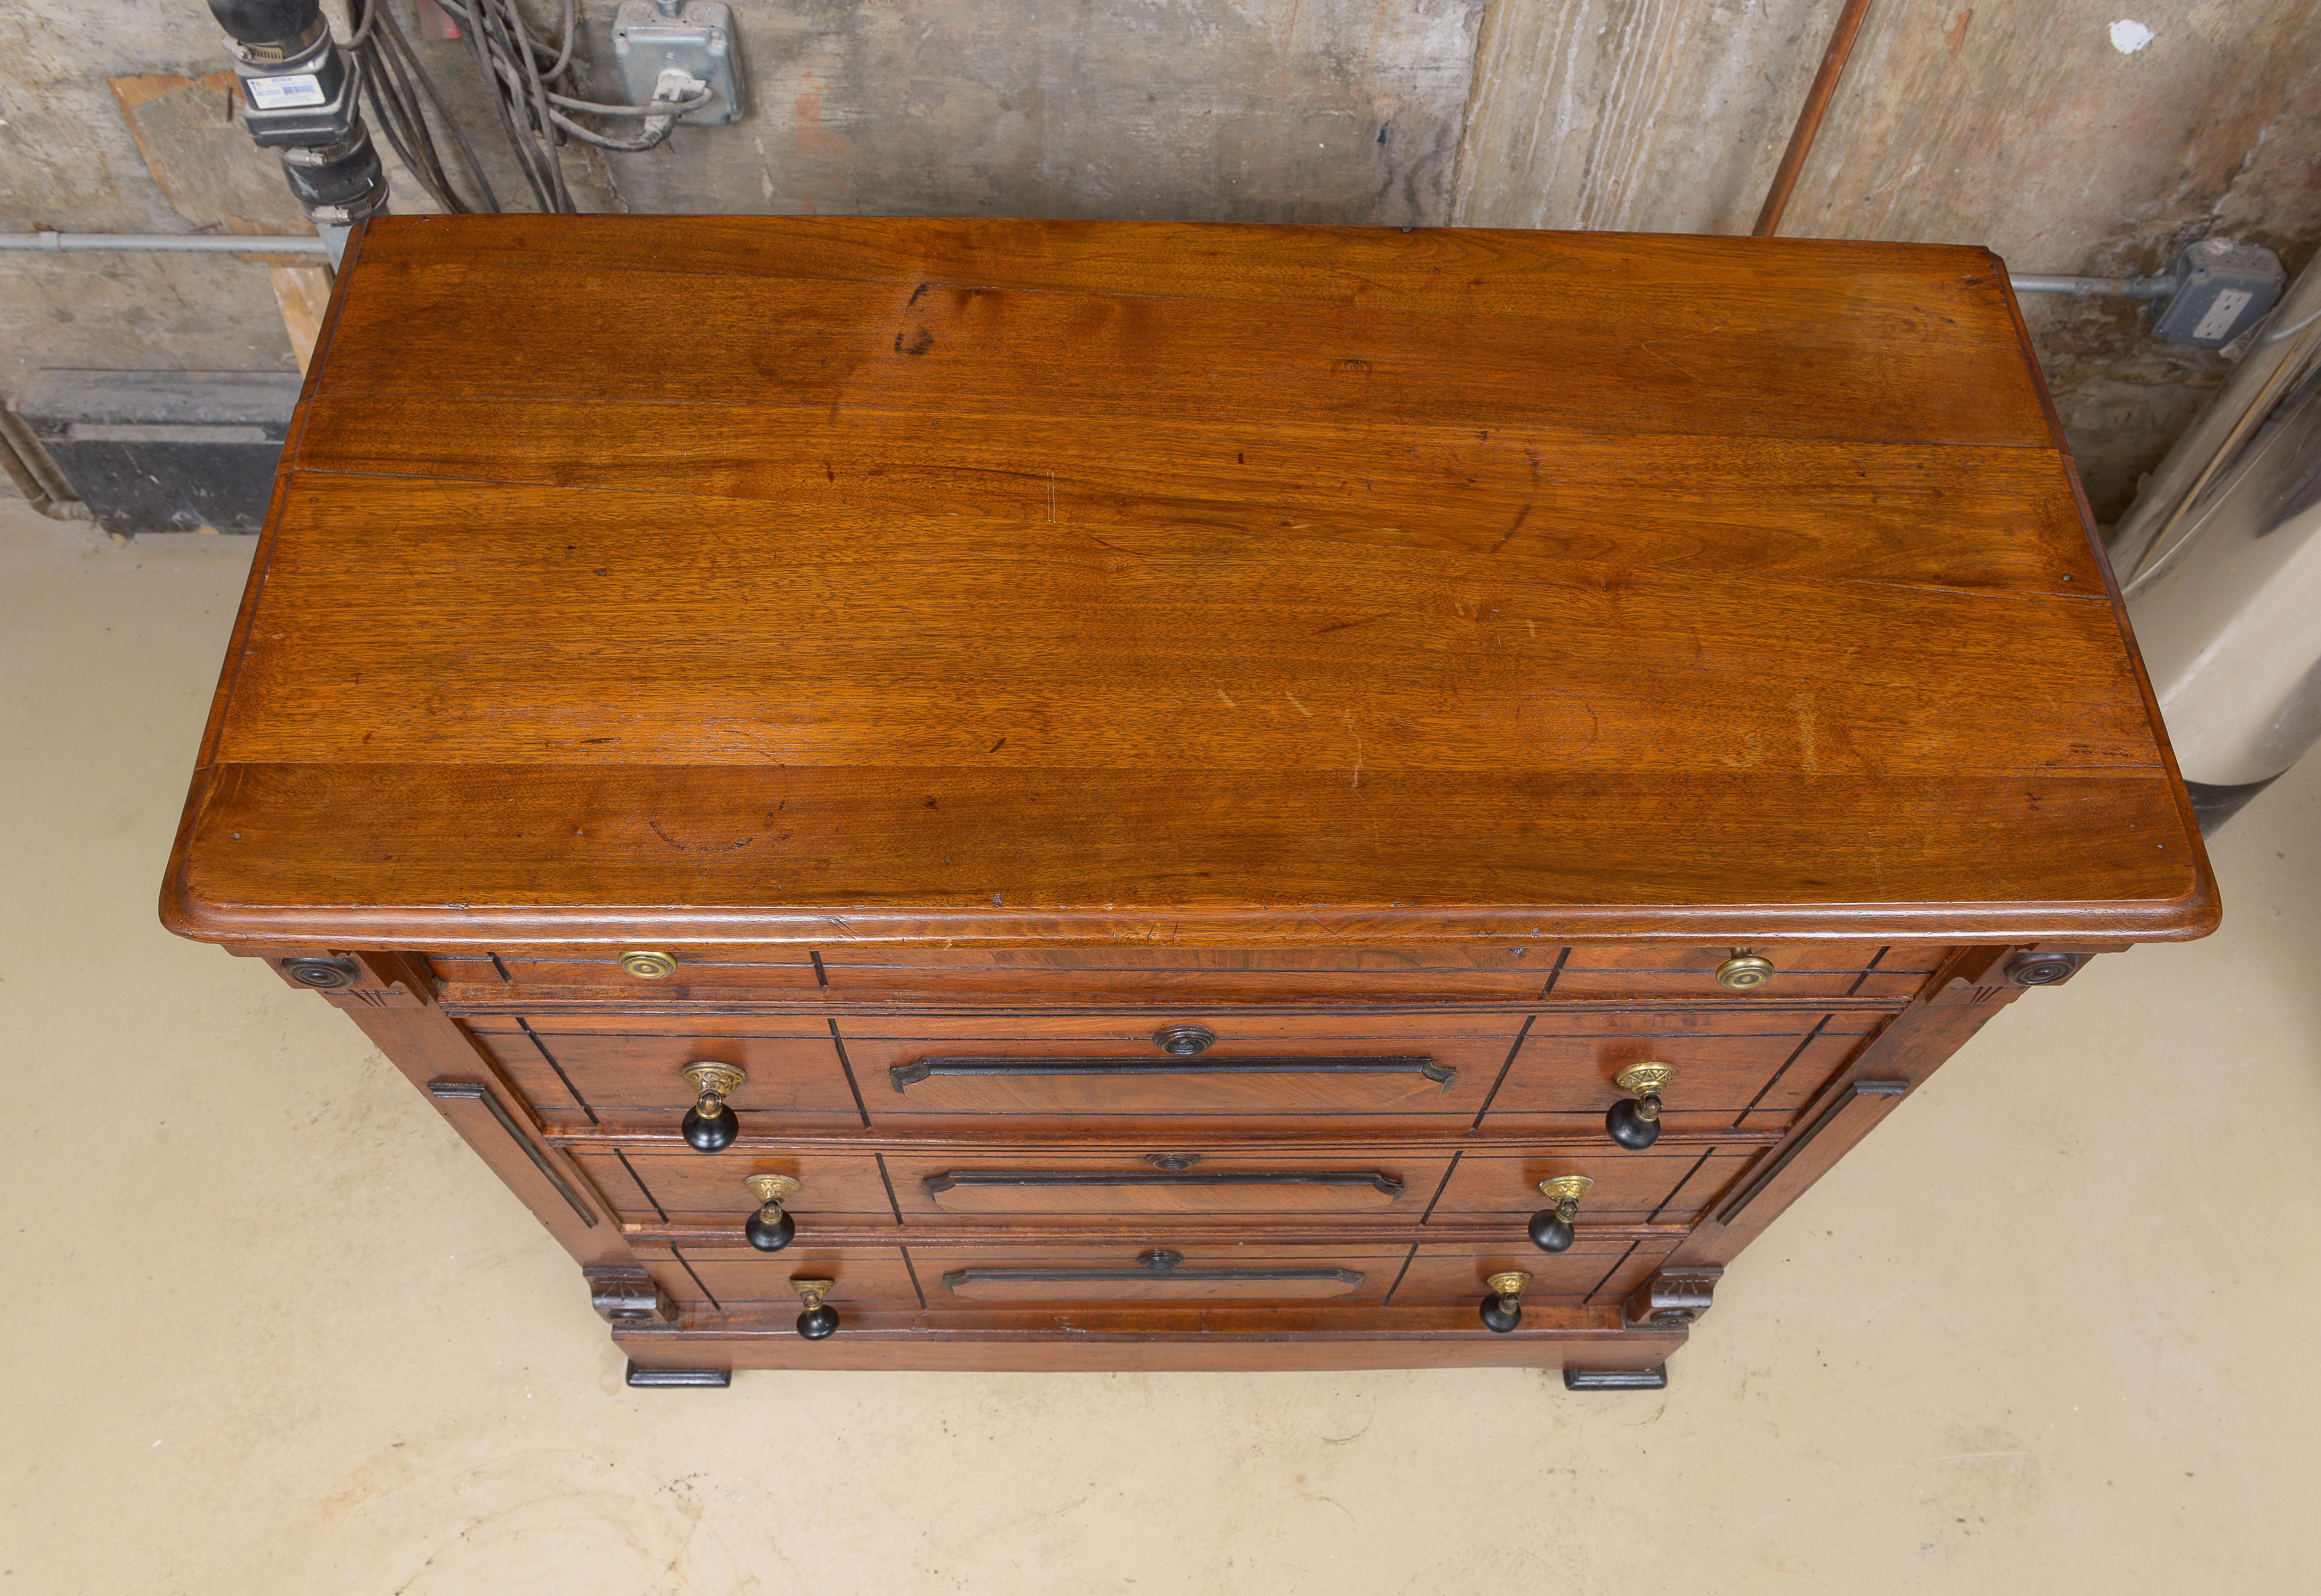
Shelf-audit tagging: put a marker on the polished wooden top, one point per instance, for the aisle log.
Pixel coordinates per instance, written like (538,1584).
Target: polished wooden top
(648,579)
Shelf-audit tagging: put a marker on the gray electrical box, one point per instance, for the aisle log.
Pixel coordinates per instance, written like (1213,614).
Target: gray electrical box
(673,49)
(2222,287)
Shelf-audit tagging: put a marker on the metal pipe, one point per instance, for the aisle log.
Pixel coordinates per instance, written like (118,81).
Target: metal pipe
(207,244)
(28,466)
(1817,99)
(2092,287)
(2286,346)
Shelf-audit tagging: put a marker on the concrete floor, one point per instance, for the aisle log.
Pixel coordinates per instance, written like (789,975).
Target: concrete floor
(274,1330)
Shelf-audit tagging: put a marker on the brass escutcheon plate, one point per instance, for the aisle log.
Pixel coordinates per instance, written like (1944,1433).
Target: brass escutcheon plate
(714,1079)
(813,1291)
(1644,1079)
(772,1188)
(1560,1187)
(1508,1282)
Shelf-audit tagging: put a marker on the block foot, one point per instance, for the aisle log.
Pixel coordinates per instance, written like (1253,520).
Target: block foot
(1616,1379)
(719,1378)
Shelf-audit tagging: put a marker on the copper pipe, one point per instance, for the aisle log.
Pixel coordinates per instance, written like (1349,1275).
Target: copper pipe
(1817,99)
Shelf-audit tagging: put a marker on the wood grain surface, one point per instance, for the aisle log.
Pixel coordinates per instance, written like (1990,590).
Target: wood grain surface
(801,582)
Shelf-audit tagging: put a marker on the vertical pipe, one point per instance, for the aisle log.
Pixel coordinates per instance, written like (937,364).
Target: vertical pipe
(1817,99)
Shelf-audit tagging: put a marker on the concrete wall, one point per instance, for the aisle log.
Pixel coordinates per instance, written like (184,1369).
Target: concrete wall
(2018,124)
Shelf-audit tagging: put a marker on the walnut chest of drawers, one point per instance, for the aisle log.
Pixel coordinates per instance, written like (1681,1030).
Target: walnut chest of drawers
(1020,796)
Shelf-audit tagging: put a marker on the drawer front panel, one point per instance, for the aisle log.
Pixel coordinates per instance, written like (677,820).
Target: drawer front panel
(1502,973)
(1687,972)
(626,1071)
(695,974)
(711,1188)
(743,1280)
(1631,1188)
(1590,1272)
(1218,1185)
(1424,1067)
(1736,1069)
(1161,1271)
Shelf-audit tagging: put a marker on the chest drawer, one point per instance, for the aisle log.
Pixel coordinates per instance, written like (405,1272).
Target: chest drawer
(1160,1271)
(1704,972)
(1589,1272)
(1737,1067)
(627,1070)
(1169,1183)
(1630,1188)
(741,1280)
(685,1186)
(1180,1064)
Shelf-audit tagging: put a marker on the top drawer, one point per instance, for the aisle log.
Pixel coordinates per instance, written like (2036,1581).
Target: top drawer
(1496,973)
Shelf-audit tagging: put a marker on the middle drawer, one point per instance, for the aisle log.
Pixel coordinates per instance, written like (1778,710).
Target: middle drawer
(1222,1065)
(1163,1185)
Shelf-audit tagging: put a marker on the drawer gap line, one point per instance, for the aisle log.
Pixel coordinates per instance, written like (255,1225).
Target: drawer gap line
(1556,973)
(888,1181)
(1810,1037)
(715,1305)
(847,1064)
(1387,1299)
(912,1270)
(1444,1186)
(640,1179)
(526,1025)
(1617,1264)
(1529,1020)
(1867,969)
(1683,1182)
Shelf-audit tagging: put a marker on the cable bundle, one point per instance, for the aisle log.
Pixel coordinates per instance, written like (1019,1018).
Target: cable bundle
(525,78)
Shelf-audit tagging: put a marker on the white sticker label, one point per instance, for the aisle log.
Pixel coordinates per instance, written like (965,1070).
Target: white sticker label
(2222,314)
(285,94)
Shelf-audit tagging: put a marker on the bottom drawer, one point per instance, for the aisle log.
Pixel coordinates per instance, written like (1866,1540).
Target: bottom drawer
(1157,1271)
(741,1280)
(1592,1271)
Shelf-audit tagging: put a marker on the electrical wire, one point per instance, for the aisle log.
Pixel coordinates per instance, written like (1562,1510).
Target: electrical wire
(395,84)
(524,77)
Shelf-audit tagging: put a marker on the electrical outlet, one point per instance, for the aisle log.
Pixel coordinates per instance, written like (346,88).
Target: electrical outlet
(661,44)
(2223,287)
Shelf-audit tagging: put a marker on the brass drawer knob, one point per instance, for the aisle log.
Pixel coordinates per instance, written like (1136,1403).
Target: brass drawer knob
(1744,970)
(771,1228)
(648,966)
(1184,1041)
(1635,1122)
(1503,1308)
(711,1125)
(819,1322)
(1551,1228)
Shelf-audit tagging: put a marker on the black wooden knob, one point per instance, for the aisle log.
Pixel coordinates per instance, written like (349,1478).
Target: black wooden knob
(1551,1232)
(771,1235)
(1503,1308)
(1184,1041)
(1634,1125)
(820,1320)
(712,1133)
